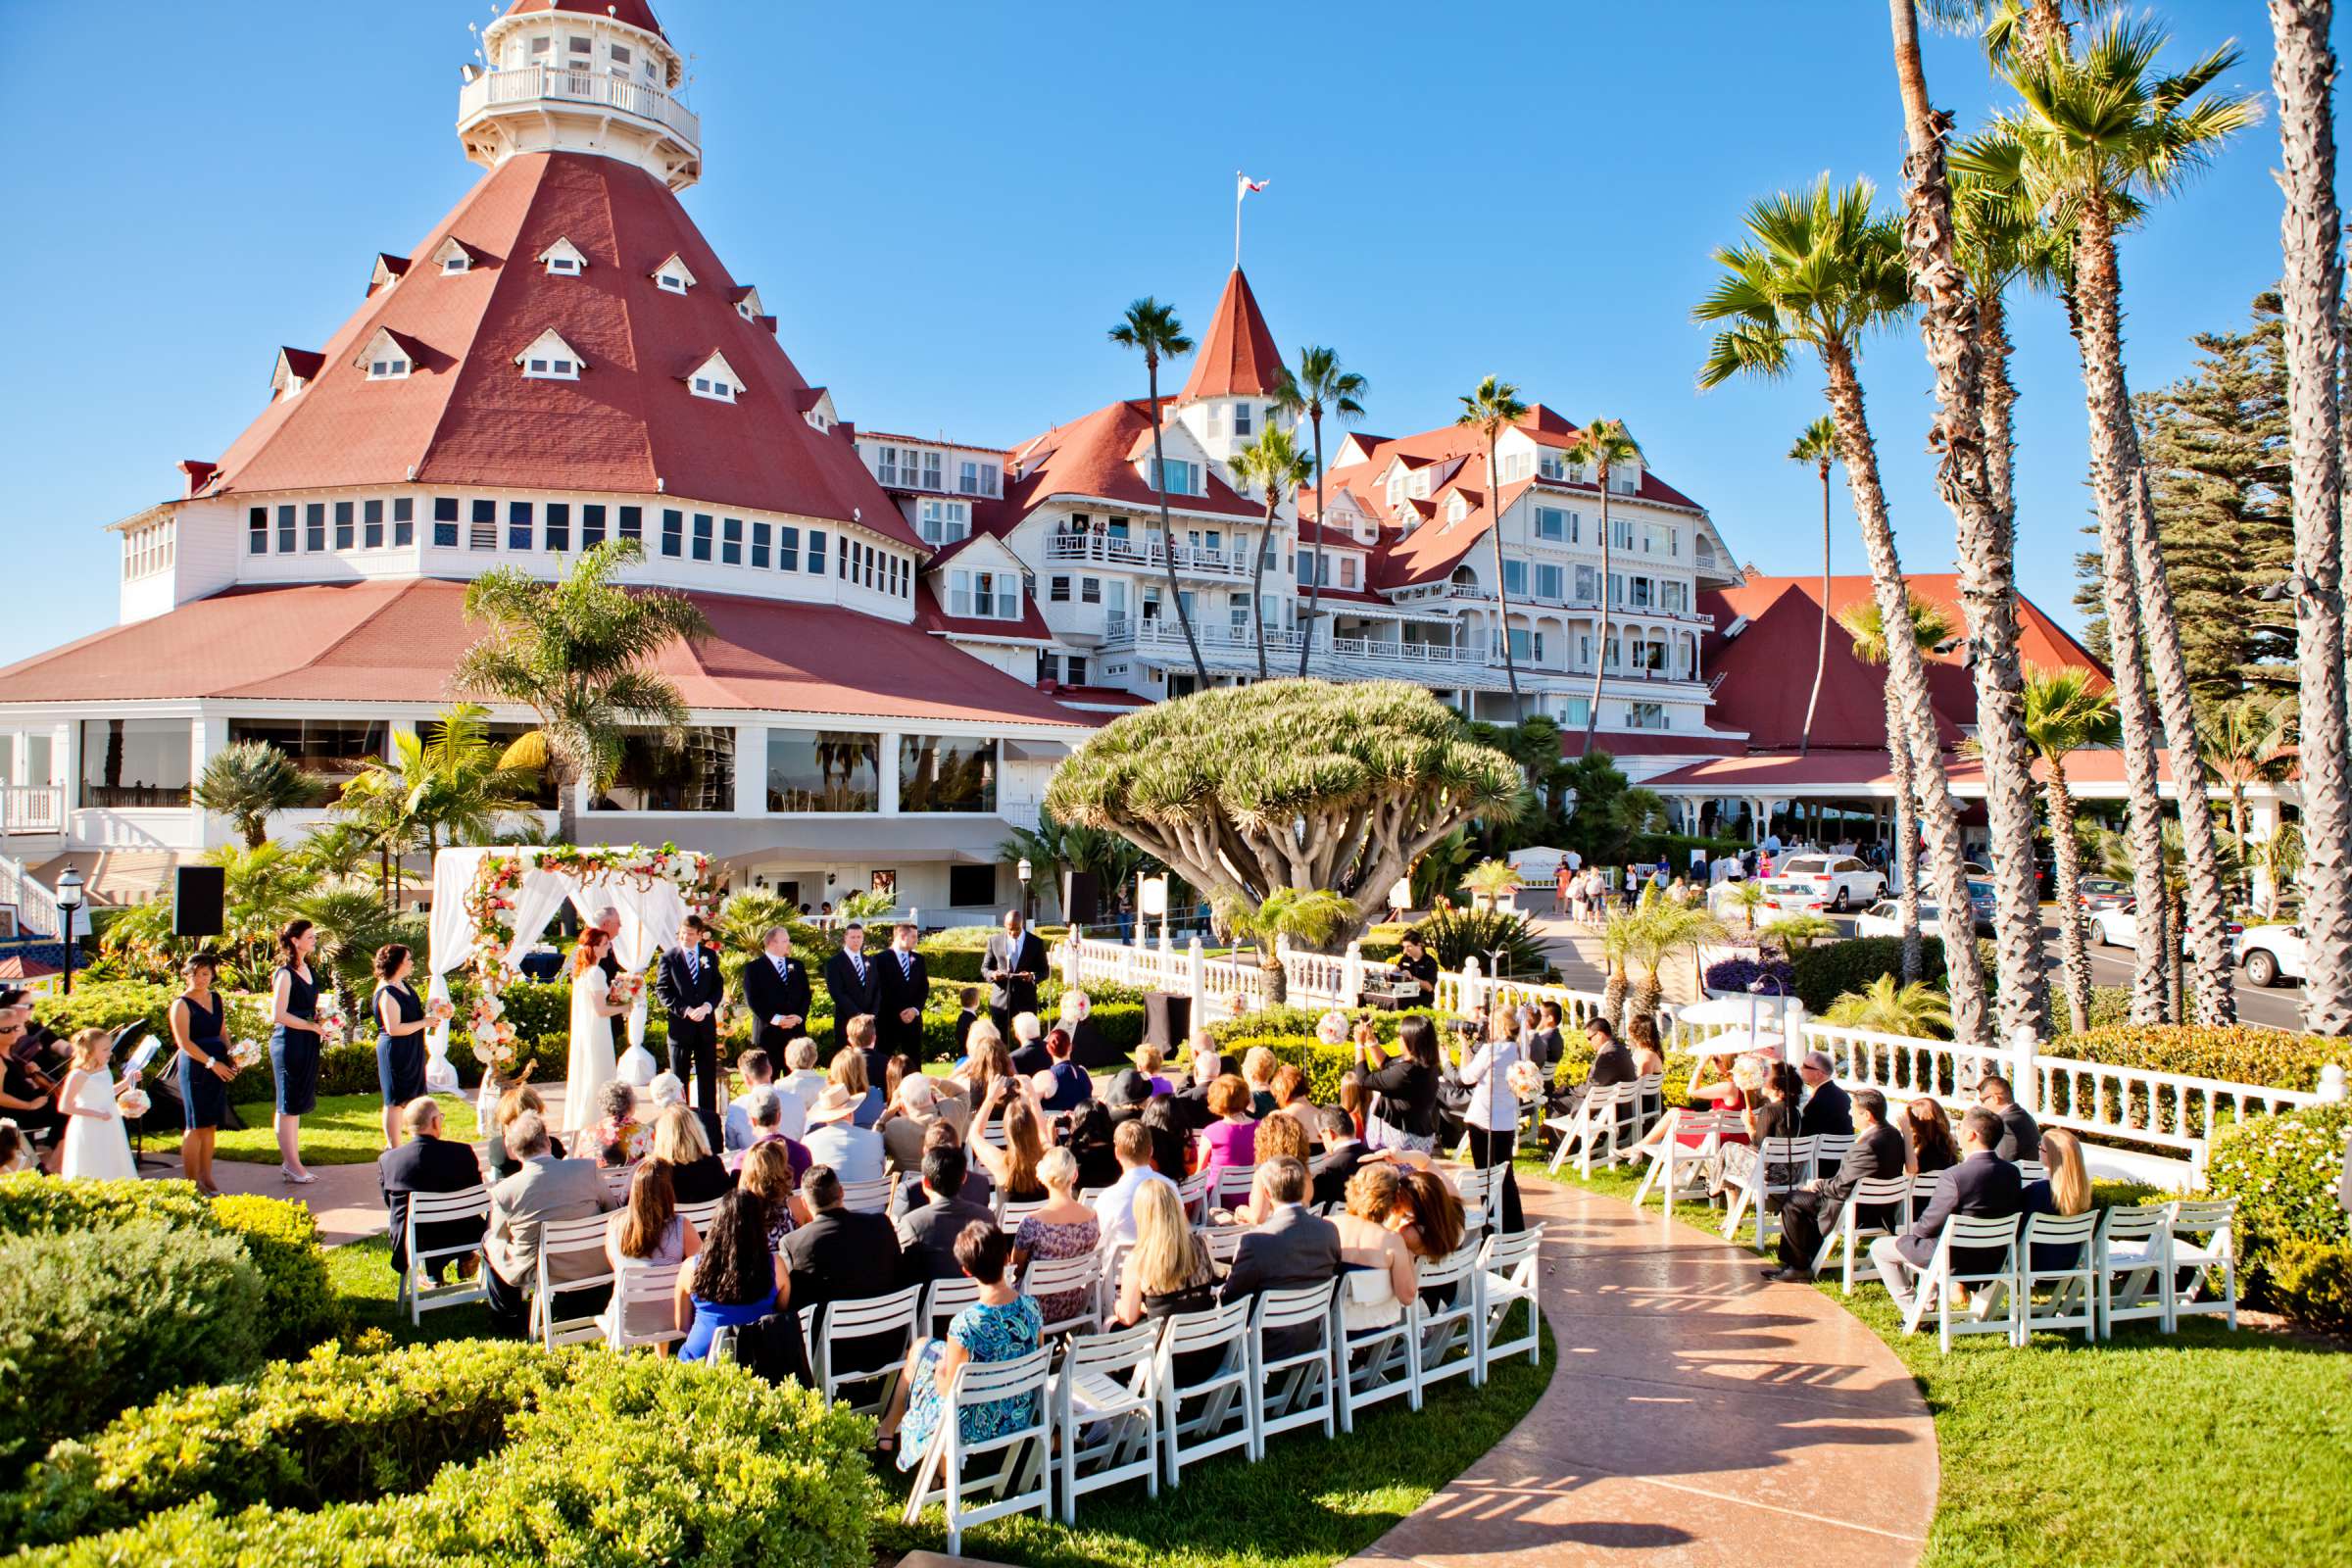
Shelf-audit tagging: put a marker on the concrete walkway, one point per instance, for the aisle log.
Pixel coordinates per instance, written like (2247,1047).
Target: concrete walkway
(1698,1416)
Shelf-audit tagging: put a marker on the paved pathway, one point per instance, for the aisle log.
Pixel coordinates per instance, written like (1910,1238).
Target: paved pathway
(1698,1416)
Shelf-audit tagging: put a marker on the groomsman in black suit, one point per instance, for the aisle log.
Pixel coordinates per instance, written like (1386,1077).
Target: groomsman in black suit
(900,994)
(1013,965)
(849,979)
(691,989)
(775,989)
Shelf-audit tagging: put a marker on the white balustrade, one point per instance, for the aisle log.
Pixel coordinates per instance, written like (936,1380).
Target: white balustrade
(31,808)
(37,914)
(528,83)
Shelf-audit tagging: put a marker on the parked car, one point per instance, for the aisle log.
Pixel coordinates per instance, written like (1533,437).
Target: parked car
(2119,927)
(1834,882)
(2271,954)
(2096,893)
(1885,918)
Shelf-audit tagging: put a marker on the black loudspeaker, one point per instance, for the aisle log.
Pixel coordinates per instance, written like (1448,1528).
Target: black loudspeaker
(197,895)
(1081,897)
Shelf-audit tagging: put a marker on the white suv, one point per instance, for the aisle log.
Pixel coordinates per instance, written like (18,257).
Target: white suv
(2271,954)
(1837,882)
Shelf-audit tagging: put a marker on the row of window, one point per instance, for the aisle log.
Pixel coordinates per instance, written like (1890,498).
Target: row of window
(1551,581)
(921,468)
(579,55)
(373,524)
(148,549)
(1245,419)
(984,595)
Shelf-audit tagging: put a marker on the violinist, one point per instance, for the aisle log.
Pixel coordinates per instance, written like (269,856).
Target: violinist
(28,1095)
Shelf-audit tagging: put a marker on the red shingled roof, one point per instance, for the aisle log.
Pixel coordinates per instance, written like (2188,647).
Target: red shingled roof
(466,417)
(1237,358)
(1651,743)
(635,13)
(1090,457)
(396,642)
(931,616)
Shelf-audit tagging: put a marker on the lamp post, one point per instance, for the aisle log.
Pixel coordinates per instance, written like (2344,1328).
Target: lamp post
(1025,870)
(68,905)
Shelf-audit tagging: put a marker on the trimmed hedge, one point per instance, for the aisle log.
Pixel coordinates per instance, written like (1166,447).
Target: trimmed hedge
(2267,1058)
(282,1239)
(471,1454)
(2294,1239)
(1827,970)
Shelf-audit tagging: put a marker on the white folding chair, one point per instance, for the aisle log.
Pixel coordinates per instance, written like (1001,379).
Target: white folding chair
(942,1300)
(1232,1185)
(1830,1150)
(1224,1242)
(994,1134)
(2135,1245)
(700,1216)
(1650,1108)
(1047,1278)
(616,1181)
(1506,1276)
(1019,1481)
(1010,1214)
(2073,1301)
(1106,1413)
(824,1328)
(2194,1262)
(1782,1165)
(866,1198)
(1441,1330)
(1678,1173)
(1593,1128)
(1377,1362)
(1875,1201)
(1220,1415)
(2031,1170)
(418,1290)
(1994,1286)
(653,1288)
(1092,1197)
(1193,1193)
(1293,1388)
(571,1259)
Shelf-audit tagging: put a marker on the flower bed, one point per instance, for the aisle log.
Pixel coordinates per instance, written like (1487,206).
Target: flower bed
(2294,1239)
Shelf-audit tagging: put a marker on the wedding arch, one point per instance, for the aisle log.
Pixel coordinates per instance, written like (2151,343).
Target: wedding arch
(492,902)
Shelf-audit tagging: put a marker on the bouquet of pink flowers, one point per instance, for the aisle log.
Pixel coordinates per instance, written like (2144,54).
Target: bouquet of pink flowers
(245,1054)
(328,1014)
(625,990)
(132,1101)
(440,1011)
(1523,1079)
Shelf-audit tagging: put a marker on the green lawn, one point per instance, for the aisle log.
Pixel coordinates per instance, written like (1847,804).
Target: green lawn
(341,1130)
(2201,1448)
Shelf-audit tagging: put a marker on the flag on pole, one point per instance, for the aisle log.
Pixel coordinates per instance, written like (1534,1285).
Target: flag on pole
(1246,185)
(1243,185)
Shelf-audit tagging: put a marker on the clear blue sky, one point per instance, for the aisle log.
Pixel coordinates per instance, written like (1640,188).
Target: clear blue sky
(946,205)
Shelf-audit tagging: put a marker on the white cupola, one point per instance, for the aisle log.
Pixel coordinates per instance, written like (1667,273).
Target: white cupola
(581,75)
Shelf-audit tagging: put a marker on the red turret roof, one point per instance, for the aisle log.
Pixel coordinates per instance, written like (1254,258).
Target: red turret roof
(465,415)
(634,13)
(1237,358)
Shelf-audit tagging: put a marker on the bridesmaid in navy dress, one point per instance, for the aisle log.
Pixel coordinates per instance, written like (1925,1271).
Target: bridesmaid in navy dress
(294,1044)
(198,1017)
(399,1036)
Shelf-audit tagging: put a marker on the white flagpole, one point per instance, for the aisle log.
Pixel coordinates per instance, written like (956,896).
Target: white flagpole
(1239,185)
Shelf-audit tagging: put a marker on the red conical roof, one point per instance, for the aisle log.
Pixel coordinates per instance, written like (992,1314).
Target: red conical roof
(634,13)
(1238,358)
(467,416)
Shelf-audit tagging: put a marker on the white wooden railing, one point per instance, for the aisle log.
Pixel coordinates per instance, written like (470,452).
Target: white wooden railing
(37,914)
(31,808)
(526,83)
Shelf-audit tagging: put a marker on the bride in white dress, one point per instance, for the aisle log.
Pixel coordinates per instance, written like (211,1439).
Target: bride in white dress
(591,1065)
(96,1147)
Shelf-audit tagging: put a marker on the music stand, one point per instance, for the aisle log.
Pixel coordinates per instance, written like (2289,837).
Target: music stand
(135,1065)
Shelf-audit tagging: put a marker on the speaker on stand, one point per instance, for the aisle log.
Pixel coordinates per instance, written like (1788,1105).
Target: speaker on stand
(1081,897)
(199,896)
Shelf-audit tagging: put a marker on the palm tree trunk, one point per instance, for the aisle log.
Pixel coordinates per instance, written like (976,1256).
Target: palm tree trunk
(1258,581)
(2110,465)
(2177,982)
(1167,534)
(1906,839)
(1821,652)
(2073,945)
(1600,635)
(2122,483)
(1966,438)
(1502,592)
(1907,679)
(1315,579)
(2303,75)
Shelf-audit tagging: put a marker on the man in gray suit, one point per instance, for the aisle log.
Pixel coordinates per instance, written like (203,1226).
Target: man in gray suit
(1012,967)
(544,1189)
(1291,1248)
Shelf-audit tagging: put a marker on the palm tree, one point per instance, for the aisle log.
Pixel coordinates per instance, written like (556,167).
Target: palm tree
(1821,269)
(1816,444)
(1928,628)
(1313,916)
(1319,386)
(248,783)
(340,850)
(578,653)
(1489,882)
(1747,896)
(2303,79)
(1153,329)
(1114,860)
(450,783)
(2100,134)
(2064,714)
(1662,929)
(2246,741)
(353,924)
(1491,409)
(1917,1010)
(260,886)
(1602,444)
(1274,462)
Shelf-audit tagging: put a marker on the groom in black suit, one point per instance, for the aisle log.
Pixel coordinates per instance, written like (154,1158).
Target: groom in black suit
(851,979)
(691,990)
(902,987)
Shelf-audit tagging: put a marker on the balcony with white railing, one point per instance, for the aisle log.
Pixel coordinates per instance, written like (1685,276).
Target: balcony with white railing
(1143,555)
(526,85)
(32,808)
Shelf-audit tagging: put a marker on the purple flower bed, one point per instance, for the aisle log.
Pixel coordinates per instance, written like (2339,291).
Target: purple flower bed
(1737,974)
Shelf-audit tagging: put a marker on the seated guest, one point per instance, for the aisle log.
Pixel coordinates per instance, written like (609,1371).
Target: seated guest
(968,1014)
(1114,1211)
(1824,1107)
(620,1138)
(1612,1063)
(1088,1048)
(914,1106)
(1164,1119)
(848,1073)
(1191,1095)
(1063,1228)
(2020,1139)
(1545,1044)
(666,1090)
(1814,1212)
(2063,1193)
(1928,1132)
(1089,1142)
(735,1280)
(978,1190)
(759,1072)
(768,1176)
(988,1062)
(1013,1167)
(1003,1325)
(1342,1153)
(1641,1039)
(1232,1139)
(1128,1092)
(1148,1059)
(928,1232)
(1983,1184)
(1379,1267)
(1290,1097)
(1356,1099)
(427,1163)
(1071,1086)
(696,1175)
(1291,1248)
(1168,1271)
(648,1232)
(511,1106)
(1029,1057)
(801,1076)
(835,1139)
(543,1188)
(1427,1215)
(843,1255)
(767,1127)
(1279,1137)
(1257,1072)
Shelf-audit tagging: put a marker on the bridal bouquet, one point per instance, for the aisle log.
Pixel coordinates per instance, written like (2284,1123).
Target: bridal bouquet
(245,1054)
(440,1011)
(625,990)
(1523,1079)
(132,1101)
(328,1014)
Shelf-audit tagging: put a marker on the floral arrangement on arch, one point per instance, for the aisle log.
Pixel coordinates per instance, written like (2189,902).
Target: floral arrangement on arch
(490,905)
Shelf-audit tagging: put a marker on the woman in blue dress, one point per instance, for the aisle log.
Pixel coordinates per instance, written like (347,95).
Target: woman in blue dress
(399,1036)
(198,1019)
(1003,1325)
(294,1044)
(734,1280)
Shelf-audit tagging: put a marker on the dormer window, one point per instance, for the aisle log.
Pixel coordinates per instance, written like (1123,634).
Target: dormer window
(1551,466)
(388,357)
(295,369)
(716,379)
(1456,509)
(672,277)
(551,359)
(452,257)
(563,259)
(394,369)
(747,304)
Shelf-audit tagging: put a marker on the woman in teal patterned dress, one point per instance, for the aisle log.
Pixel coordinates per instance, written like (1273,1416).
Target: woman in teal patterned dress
(1003,1325)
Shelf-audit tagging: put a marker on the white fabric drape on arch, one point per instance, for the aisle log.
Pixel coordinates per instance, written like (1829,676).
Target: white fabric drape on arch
(648,914)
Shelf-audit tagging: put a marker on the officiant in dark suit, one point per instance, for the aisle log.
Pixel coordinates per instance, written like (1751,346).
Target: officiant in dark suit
(775,991)
(691,989)
(1013,965)
(902,991)
(850,980)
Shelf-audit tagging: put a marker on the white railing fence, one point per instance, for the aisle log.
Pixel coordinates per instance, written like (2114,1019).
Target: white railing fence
(35,905)
(31,808)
